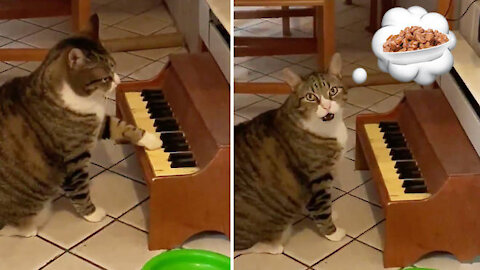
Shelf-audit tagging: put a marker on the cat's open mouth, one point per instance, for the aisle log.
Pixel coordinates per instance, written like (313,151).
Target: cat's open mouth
(328,117)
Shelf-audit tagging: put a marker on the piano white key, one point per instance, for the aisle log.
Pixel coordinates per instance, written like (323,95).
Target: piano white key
(387,167)
(158,158)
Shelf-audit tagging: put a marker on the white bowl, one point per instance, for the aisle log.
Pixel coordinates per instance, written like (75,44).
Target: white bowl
(421,55)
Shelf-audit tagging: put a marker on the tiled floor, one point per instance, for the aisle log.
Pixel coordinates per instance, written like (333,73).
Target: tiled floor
(120,241)
(355,198)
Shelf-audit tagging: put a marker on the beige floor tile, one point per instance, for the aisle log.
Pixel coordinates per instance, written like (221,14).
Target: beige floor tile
(116,194)
(367,192)
(369,62)
(246,23)
(26,253)
(266,64)
(264,29)
(355,256)
(130,168)
(127,248)
(375,237)
(347,177)
(390,89)
(336,193)
(4,67)
(148,72)
(156,54)
(267,79)
(350,154)
(66,27)
(143,24)
(139,7)
(110,16)
(128,63)
(111,32)
(365,97)
(70,262)
(138,216)
(218,243)
(16,29)
(295,58)
(239,119)
(301,71)
(351,54)
(107,153)
(47,21)
(242,59)
(66,228)
(350,139)
(308,246)
(266,262)
(257,108)
(93,170)
(386,105)
(349,109)
(242,74)
(356,216)
(30,66)
(4,40)
(350,121)
(44,39)
(12,73)
(279,98)
(161,13)
(242,100)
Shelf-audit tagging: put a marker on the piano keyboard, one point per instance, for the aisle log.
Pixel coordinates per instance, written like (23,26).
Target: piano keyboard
(402,178)
(152,113)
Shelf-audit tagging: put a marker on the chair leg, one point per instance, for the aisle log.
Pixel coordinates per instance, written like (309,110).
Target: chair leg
(325,33)
(286,24)
(80,14)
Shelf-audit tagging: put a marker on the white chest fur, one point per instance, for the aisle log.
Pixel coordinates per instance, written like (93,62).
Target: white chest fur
(93,104)
(332,129)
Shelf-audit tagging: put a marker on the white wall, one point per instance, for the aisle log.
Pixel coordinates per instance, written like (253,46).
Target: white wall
(185,15)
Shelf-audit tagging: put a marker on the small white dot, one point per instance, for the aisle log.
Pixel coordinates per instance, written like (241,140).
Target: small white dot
(359,75)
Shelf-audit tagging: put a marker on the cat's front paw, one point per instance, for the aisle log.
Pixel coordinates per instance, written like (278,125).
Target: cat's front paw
(338,235)
(98,215)
(150,141)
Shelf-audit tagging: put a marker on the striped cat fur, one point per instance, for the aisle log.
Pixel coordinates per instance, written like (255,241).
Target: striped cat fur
(285,162)
(49,123)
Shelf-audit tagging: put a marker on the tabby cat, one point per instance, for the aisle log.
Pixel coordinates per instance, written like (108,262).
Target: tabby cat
(49,123)
(285,162)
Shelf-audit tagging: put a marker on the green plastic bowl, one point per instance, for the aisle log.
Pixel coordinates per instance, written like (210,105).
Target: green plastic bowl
(188,259)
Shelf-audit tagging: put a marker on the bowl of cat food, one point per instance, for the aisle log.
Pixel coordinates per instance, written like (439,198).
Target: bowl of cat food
(415,44)
(188,259)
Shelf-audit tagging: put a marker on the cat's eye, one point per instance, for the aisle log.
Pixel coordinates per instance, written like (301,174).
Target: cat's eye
(106,79)
(333,91)
(310,97)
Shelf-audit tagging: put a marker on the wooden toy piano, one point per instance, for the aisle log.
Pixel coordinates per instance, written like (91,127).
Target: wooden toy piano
(188,179)
(428,176)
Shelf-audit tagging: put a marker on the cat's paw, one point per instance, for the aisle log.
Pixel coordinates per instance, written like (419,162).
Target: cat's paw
(150,141)
(338,235)
(28,232)
(98,215)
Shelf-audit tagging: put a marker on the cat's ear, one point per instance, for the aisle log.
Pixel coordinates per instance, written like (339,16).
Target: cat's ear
(91,30)
(335,67)
(291,78)
(76,58)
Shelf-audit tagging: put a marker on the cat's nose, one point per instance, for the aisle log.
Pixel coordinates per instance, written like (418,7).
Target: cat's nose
(326,103)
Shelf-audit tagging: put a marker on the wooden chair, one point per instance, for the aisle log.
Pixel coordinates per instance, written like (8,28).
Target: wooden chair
(17,9)
(322,42)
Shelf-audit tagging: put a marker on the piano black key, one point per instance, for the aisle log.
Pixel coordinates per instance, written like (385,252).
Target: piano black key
(152,93)
(166,126)
(157,104)
(416,182)
(180,147)
(401,154)
(416,189)
(183,163)
(396,143)
(409,174)
(164,122)
(388,124)
(177,156)
(389,127)
(158,108)
(160,113)
(406,165)
(170,135)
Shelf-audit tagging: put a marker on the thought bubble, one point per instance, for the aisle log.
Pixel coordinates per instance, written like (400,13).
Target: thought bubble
(423,65)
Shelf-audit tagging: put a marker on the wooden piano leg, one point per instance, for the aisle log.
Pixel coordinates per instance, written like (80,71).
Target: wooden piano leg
(360,161)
